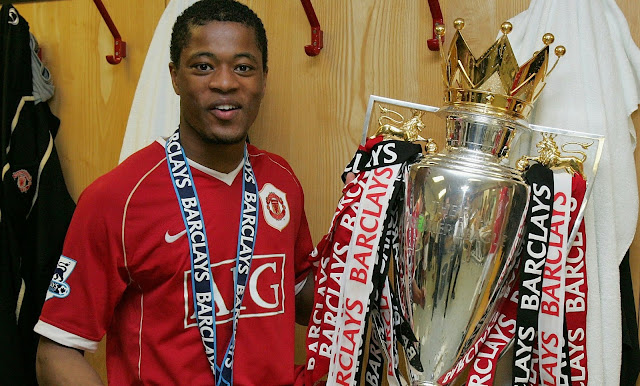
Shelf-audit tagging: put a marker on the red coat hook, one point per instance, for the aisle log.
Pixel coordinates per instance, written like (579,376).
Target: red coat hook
(120,46)
(436,14)
(314,48)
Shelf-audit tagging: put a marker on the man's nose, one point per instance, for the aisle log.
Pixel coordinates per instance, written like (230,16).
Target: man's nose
(223,79)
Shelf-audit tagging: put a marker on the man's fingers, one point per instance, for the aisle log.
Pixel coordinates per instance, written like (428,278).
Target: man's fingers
(350,176)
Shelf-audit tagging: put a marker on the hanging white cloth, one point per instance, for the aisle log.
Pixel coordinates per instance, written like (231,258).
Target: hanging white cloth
(594,89)
(155,110)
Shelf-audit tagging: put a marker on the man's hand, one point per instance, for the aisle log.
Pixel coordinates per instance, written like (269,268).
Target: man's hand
(349,177)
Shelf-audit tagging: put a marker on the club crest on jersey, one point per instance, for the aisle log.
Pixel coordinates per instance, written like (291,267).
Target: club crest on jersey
(23,180)
(58,286)
(275,207)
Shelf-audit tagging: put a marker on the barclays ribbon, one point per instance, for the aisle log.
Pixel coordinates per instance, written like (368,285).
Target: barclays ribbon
(201,276)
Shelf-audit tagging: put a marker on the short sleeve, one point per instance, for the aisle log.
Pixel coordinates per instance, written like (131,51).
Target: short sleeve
(90,276)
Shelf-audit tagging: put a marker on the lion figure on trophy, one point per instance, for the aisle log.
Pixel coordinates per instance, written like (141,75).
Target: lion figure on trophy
(551,156)
(408,130)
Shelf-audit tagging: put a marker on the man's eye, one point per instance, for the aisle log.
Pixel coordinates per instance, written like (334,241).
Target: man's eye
(244,68)
(203,67)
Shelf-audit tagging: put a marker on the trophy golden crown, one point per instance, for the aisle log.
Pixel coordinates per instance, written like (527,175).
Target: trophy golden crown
(494,83)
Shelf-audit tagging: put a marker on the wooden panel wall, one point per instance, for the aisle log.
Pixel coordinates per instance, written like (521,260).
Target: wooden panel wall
(314,107)
(92,97)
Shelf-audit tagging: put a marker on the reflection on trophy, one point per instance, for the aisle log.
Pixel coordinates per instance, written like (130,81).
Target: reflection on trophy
(465,207)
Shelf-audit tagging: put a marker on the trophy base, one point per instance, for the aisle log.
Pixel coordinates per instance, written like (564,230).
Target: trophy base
(423,383)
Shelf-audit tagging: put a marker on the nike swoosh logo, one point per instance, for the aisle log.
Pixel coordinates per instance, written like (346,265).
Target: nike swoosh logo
(172,238)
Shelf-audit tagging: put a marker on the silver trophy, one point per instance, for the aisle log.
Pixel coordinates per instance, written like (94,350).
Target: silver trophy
(463,220)
(465,206)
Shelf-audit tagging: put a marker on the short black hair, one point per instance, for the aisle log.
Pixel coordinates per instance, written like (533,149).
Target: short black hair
(206,11)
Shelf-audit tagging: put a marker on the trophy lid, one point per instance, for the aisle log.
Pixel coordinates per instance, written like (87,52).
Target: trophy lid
(494,84)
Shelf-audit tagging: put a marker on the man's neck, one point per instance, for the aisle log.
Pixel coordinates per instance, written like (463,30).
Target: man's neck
(223,158)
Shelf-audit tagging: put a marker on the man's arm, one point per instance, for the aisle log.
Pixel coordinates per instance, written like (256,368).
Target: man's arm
(304,301)
(60,365)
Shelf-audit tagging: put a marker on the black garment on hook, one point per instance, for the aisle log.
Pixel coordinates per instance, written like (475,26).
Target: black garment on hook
(630,366)
(35,206)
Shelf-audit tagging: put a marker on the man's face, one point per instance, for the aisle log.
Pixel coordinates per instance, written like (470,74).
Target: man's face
(220,82)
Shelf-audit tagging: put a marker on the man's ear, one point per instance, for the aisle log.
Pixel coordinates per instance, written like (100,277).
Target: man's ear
(264,84)
(173,71)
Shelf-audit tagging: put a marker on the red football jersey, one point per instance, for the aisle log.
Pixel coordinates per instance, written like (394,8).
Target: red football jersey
(126,271)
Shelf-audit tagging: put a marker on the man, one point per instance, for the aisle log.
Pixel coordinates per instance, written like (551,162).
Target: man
(188,286)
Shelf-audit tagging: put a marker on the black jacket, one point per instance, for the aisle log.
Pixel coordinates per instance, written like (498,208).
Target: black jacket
(35,205)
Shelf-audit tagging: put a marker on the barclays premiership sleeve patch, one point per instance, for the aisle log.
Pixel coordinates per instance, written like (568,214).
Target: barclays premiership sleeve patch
(58,286)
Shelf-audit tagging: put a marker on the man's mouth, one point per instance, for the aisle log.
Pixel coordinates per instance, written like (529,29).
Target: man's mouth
(226,107)
(225,112)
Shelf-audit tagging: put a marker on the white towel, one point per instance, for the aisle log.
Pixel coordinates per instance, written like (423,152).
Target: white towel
(594,89)
(155,110)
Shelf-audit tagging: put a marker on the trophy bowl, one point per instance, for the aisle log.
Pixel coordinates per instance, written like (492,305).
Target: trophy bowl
(464,213)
